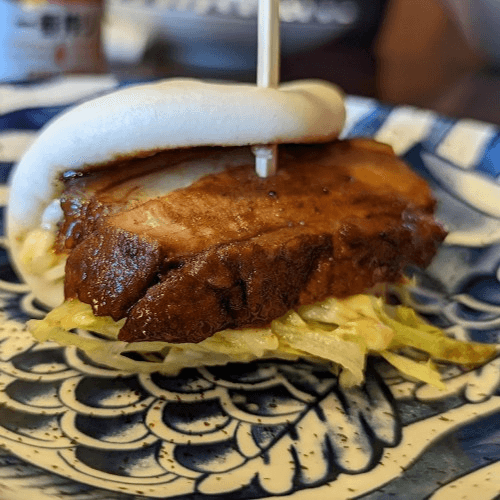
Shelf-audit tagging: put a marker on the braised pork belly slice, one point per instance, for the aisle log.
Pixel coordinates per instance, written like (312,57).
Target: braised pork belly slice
(233,250)
(128,182)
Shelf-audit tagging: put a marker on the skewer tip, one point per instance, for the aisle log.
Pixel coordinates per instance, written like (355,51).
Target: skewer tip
(266,160)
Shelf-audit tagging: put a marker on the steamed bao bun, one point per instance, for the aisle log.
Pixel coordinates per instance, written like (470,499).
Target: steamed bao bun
(145,119)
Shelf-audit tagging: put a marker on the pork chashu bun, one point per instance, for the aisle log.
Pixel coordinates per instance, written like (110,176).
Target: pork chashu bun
(142,120)
(283,256)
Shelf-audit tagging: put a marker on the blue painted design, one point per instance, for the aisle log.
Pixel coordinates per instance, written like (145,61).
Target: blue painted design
(489,336)
(489,163)
(35,82)
(2,226)
(441,127)
(130,82)
(371,123)
(481,440)
(414,157)
(485,288)
(5,169)
(29,119)
(440,464)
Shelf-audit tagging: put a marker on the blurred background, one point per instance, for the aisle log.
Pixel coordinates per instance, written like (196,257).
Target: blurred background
(438,54)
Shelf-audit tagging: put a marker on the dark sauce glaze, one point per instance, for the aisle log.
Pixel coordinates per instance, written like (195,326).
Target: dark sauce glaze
(233,250)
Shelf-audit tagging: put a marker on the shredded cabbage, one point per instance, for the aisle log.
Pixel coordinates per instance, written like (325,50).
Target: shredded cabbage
(38,256)
(341,333)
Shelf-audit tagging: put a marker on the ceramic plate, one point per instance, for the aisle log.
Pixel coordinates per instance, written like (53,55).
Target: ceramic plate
(72,430)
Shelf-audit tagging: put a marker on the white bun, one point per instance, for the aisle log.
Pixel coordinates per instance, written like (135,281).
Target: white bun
(165,115)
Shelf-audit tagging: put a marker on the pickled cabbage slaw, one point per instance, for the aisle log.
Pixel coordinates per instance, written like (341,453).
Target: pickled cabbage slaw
(341,333)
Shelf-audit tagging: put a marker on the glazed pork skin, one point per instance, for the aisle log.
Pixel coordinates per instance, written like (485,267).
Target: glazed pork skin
(233,250)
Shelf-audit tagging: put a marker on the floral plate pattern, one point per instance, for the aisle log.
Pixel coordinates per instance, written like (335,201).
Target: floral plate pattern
(70,429)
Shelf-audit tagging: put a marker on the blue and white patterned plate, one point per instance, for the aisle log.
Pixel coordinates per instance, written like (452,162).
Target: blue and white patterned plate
(72,430)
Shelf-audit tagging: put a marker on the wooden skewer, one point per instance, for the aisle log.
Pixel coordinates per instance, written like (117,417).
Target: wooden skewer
(268,69)
(268,48)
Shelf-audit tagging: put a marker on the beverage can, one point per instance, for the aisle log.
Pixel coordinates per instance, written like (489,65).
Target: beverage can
(40,37)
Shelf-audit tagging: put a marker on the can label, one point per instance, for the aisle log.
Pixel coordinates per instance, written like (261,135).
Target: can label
(39,38)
